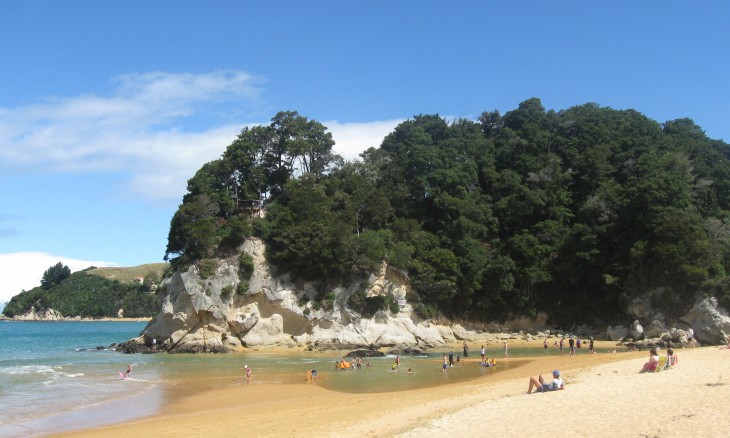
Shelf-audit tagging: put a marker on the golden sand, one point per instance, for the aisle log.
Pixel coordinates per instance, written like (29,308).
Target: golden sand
(604,396)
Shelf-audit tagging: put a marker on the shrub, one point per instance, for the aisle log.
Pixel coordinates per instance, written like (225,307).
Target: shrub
(245,266)
(393,305)
(328,303)
(426,311)
(207,267)
(226,292)
(242,288)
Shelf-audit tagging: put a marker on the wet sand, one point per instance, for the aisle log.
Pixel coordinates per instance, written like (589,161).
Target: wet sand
(604,396)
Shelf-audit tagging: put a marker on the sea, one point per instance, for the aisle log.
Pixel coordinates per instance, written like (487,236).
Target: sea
(58,376)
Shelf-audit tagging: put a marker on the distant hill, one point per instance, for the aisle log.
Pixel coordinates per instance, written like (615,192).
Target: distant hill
(127,275)
(95,293)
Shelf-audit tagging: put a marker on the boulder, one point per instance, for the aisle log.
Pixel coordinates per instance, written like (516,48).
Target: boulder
(616,333)
(636,330)
(709,321)
(462,334)
(655,329)
(366,353)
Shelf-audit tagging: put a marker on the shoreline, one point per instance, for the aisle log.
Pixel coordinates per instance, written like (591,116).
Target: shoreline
(145,403)
(605,396)
(263,408)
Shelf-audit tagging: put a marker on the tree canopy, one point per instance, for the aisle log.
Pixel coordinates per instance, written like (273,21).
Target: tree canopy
(571,211)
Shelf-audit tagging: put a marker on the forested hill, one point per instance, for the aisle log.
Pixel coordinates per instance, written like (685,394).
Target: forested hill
(93,292)
(573,212)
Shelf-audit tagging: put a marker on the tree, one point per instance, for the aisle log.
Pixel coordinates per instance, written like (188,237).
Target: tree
(55,275)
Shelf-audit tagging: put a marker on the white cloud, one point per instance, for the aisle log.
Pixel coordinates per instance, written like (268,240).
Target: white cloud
(23,270)
(136,130)
(149,130)
(351,139)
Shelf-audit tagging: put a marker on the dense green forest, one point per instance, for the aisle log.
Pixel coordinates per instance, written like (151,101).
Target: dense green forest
(84,294)
(572,212)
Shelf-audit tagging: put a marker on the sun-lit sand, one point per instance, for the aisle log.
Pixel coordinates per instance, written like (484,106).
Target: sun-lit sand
(604,396)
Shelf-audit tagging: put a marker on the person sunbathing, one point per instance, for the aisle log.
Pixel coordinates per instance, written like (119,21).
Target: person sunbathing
(540,385)
(650,366)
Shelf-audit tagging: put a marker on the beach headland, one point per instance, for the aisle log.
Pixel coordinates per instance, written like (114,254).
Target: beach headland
(604,396)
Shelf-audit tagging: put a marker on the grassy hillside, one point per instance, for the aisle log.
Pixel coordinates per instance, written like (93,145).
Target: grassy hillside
(126,275)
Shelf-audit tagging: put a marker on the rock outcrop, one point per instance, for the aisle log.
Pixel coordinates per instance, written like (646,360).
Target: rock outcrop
(203,315)
(710,322)
(44,315)
(224,313)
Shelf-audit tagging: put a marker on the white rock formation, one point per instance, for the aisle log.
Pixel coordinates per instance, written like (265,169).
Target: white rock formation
(210,315)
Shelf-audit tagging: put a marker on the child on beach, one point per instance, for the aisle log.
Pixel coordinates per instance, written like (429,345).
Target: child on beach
(672,359)
(248,374)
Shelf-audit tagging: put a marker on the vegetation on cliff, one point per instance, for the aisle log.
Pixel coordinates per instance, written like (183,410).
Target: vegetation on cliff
(572,212)
(92,293)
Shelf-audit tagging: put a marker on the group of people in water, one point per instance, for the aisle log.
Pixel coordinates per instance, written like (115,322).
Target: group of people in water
(354,363)
(574,344)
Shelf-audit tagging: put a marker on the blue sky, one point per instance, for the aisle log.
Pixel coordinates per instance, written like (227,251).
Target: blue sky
(107,108)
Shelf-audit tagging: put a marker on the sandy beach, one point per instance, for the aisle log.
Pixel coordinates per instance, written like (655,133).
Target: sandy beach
(604,396)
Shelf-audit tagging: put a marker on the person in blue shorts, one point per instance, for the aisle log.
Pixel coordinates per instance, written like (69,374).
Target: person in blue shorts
(540,385)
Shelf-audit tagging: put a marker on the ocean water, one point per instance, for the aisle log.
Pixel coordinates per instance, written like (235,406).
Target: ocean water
(49,368)
(54,378)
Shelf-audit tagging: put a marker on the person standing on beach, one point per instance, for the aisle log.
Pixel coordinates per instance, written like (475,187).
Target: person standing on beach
(445,364)
(451,358)
(571,344)
(506,350)
(466,351)
(545,345)
(562,344)
(484,353)
(248,374)
(690,337)
(590,347)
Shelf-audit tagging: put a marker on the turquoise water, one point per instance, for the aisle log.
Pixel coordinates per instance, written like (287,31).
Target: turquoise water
(53,377)
(49,368)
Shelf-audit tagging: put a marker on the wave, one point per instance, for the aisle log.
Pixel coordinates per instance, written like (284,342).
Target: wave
(29,369)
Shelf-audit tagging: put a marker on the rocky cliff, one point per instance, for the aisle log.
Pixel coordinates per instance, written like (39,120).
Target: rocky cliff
(203,315)
(199,315)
